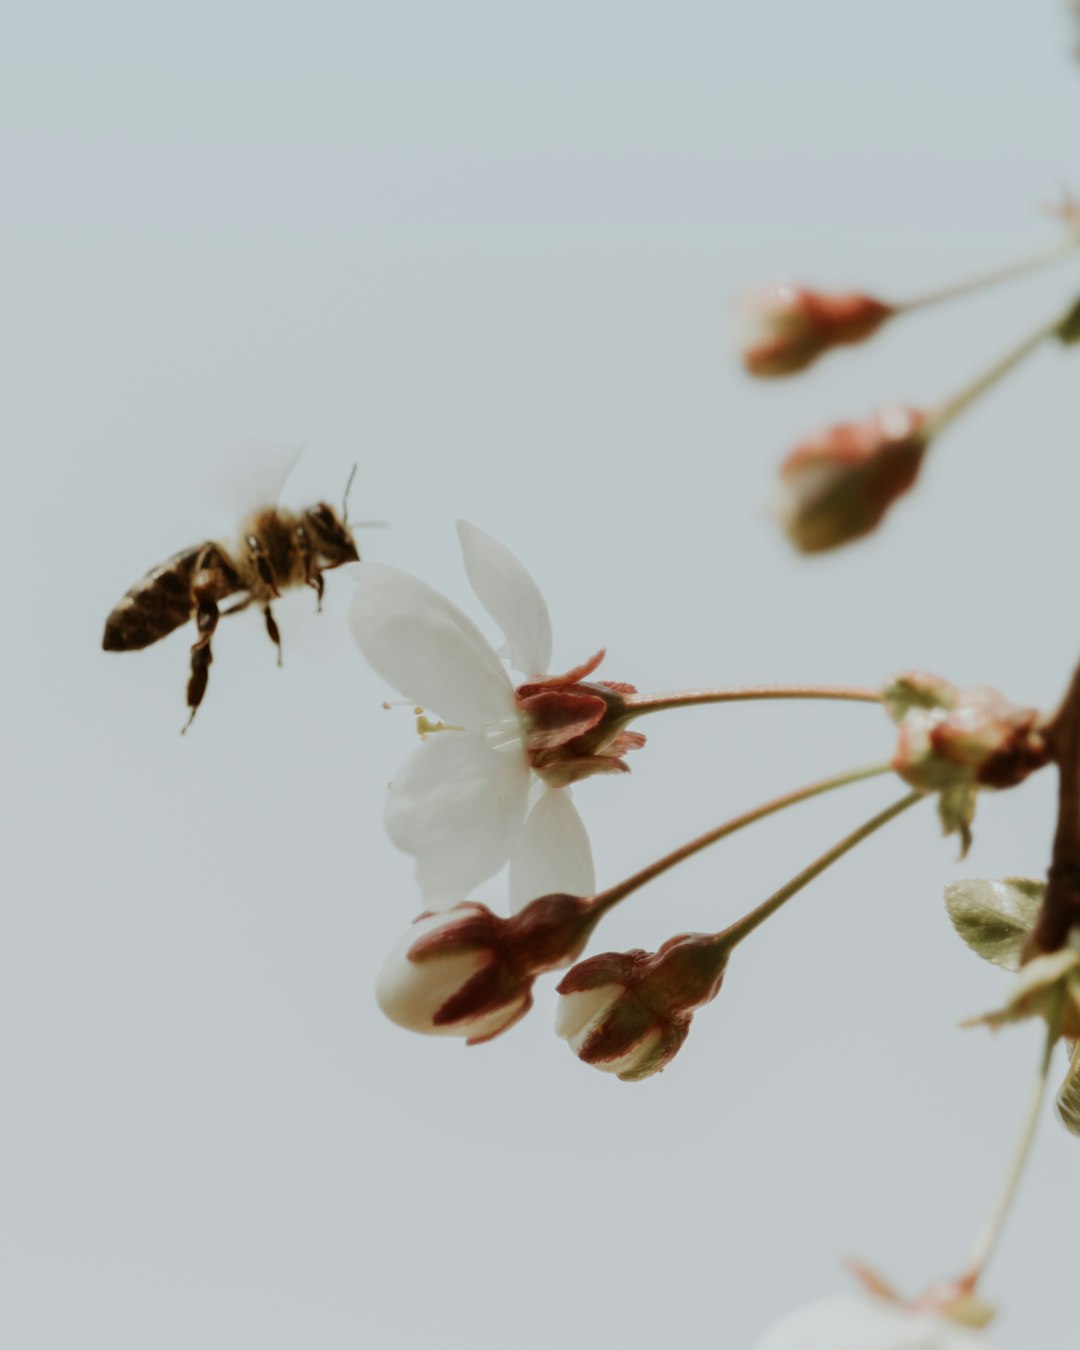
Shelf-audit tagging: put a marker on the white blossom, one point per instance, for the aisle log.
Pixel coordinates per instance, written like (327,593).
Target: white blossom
(865,1322)
(467,799)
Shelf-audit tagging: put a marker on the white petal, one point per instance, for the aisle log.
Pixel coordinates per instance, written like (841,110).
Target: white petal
(552,852)
(861,1322)
(457,805)
(427,649)
(510,596)
(410,993)
(576,1014)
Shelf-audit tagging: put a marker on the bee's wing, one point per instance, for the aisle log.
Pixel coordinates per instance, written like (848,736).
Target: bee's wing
(248,474)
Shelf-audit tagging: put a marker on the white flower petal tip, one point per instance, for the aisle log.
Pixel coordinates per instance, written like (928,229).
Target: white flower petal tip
(456,805)
(511,597)
(459,802)
(862,1322)
(427,649)
(552,852)
(577,1016)
(411,993)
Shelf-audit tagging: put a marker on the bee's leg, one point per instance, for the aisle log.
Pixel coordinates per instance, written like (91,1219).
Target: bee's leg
(315,581)
(272,629)
(206,617)
(313,576)
(208,582)
(262,565)
(237,608)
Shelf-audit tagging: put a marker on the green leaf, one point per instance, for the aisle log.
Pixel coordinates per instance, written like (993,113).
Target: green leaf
(1068,1102)
(956,810)
(995,917)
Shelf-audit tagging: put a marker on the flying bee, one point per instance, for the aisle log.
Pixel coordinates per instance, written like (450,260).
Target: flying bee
(277,549)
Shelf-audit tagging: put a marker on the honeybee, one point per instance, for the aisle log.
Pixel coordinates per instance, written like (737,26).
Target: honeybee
(277,549)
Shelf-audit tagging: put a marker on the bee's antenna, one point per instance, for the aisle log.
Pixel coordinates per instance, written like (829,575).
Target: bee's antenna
(368,524)
(348,487)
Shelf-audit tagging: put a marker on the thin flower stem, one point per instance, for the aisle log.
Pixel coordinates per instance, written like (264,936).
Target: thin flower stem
(640,704)
(962,401)
(742,928)
(606,899)
(987,279)
(988,1239)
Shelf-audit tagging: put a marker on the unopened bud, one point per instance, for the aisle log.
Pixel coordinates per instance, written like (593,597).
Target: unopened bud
(789,327)
(628,1013)
(979,739)
(469,972)
(837,486)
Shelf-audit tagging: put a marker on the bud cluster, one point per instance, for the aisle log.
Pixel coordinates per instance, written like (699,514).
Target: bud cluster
(953,738)
(837,486)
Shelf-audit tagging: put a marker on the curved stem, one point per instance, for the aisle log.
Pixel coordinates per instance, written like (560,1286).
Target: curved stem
(962,401)
(638,705)
(742,928)
(988,1239)
(606,899)
(987,279)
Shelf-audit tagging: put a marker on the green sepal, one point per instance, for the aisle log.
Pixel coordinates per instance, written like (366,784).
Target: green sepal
(1039,990)
(995,917)
(1068,1101)
(905,693)
(956,811)
(1069,329)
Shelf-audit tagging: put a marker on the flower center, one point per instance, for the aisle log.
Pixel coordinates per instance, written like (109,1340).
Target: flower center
(572,728)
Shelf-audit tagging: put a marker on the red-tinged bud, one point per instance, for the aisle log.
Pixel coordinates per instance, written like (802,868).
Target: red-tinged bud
(573,729)
(837,486)
(469,972)
(790,327)
(628,1013)
(980,740)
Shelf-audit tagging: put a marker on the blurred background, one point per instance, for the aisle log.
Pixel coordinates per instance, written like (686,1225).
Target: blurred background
(489,252)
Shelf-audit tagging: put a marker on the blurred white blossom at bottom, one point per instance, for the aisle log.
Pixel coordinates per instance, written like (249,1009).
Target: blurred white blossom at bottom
(863,1322)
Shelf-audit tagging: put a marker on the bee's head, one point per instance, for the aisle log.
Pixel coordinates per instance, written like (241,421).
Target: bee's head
(331,538)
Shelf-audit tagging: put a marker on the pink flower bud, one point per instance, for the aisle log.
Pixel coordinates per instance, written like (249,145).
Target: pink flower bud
(628,1013)
(574,729)
(981,740)
(790,327)
(469,972)
(837,486)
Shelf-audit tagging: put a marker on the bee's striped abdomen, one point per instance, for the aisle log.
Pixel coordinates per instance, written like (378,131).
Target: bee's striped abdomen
(161,601)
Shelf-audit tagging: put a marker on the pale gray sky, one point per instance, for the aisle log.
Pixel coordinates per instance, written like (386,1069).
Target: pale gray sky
(487,251)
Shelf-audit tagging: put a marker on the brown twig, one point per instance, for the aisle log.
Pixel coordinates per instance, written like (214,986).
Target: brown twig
(1061,905)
